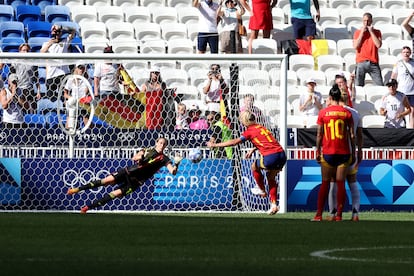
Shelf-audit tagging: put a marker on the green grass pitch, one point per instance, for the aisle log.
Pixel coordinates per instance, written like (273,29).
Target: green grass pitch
(204,244)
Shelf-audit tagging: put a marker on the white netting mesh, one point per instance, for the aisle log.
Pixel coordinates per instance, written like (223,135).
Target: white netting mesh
(90,122)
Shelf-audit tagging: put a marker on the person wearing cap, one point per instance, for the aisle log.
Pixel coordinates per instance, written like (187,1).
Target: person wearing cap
(75,89)
(403,72)
(367,40)
(55,73)
(12,102)
(106,77)
(310,102)
(335,150)
(154,89)
(230,18)
(207,26)
(197,121)
(394,106)
(214,88)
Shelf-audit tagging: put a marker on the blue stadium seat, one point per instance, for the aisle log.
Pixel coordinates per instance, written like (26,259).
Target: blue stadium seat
(56,13)
(42,4)
(35,120)
(76,45)
(26,13)
(15,3)
(11,44)
(6,13)
(36,43)
(38,29)
(11,29)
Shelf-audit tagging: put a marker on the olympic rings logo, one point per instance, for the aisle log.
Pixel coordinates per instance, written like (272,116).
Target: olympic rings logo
(73,178)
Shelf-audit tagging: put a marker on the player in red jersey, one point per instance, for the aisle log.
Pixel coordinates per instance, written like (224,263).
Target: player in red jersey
(335,133)
(272,158)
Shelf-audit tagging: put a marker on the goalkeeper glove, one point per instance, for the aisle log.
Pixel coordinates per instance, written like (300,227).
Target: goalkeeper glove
(177,160)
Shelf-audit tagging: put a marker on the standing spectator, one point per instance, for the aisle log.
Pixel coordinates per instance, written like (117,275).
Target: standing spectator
(214,88)
(230,18)
(11,99)
(154,89)
(182,119)
(304,27)
(333,151)
(395,107)
(75,89)
(55,74)
(207,26)
(346,88)
(260,18)
(28,81)
(403,72)
(310,102)
(367,41)
(248,104)
(106,77)
(406,25)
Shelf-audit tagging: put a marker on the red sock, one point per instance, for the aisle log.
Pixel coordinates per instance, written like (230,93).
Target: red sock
(340,197)
(257,175)
(273,190)
(322,196)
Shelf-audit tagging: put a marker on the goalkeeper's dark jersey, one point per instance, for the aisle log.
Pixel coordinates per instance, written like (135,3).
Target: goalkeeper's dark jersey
(153,161)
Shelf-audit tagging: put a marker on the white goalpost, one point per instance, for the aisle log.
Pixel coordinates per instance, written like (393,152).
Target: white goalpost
(118,126)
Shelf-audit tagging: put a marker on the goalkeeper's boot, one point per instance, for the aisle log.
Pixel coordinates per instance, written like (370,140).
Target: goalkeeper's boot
(84,209)
(72,191)
(273,209)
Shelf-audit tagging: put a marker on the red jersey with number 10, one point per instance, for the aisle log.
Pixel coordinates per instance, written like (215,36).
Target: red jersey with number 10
(336,122)
(262,139)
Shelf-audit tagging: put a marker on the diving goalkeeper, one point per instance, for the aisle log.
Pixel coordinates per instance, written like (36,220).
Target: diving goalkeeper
(148,162)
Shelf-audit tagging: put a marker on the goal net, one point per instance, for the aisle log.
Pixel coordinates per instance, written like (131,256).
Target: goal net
(64,130)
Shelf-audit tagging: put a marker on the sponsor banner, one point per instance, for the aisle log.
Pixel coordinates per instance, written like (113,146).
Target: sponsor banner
(10,181)
(195,186)
(108,137)
(383,184)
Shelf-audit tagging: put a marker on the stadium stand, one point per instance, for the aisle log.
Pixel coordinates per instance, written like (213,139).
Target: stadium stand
(6,13)
(11,44)
(12,29)
(38,29)
(26,13)
(55,13)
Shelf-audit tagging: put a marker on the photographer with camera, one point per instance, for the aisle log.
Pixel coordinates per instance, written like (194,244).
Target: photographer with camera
(56,73)
(12,102)
(214,88)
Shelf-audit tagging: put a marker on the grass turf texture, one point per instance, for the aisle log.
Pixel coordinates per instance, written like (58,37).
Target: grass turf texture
(204,244)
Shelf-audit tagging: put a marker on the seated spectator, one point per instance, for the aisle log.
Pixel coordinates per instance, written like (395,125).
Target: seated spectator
(12,102)
(182,120)
(310,102)
(395,107)
(197,122)
(248,104)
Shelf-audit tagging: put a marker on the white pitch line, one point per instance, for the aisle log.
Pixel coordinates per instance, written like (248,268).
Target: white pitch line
(326,254)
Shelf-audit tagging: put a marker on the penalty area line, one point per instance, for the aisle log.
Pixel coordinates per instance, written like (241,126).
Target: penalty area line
(328,254)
